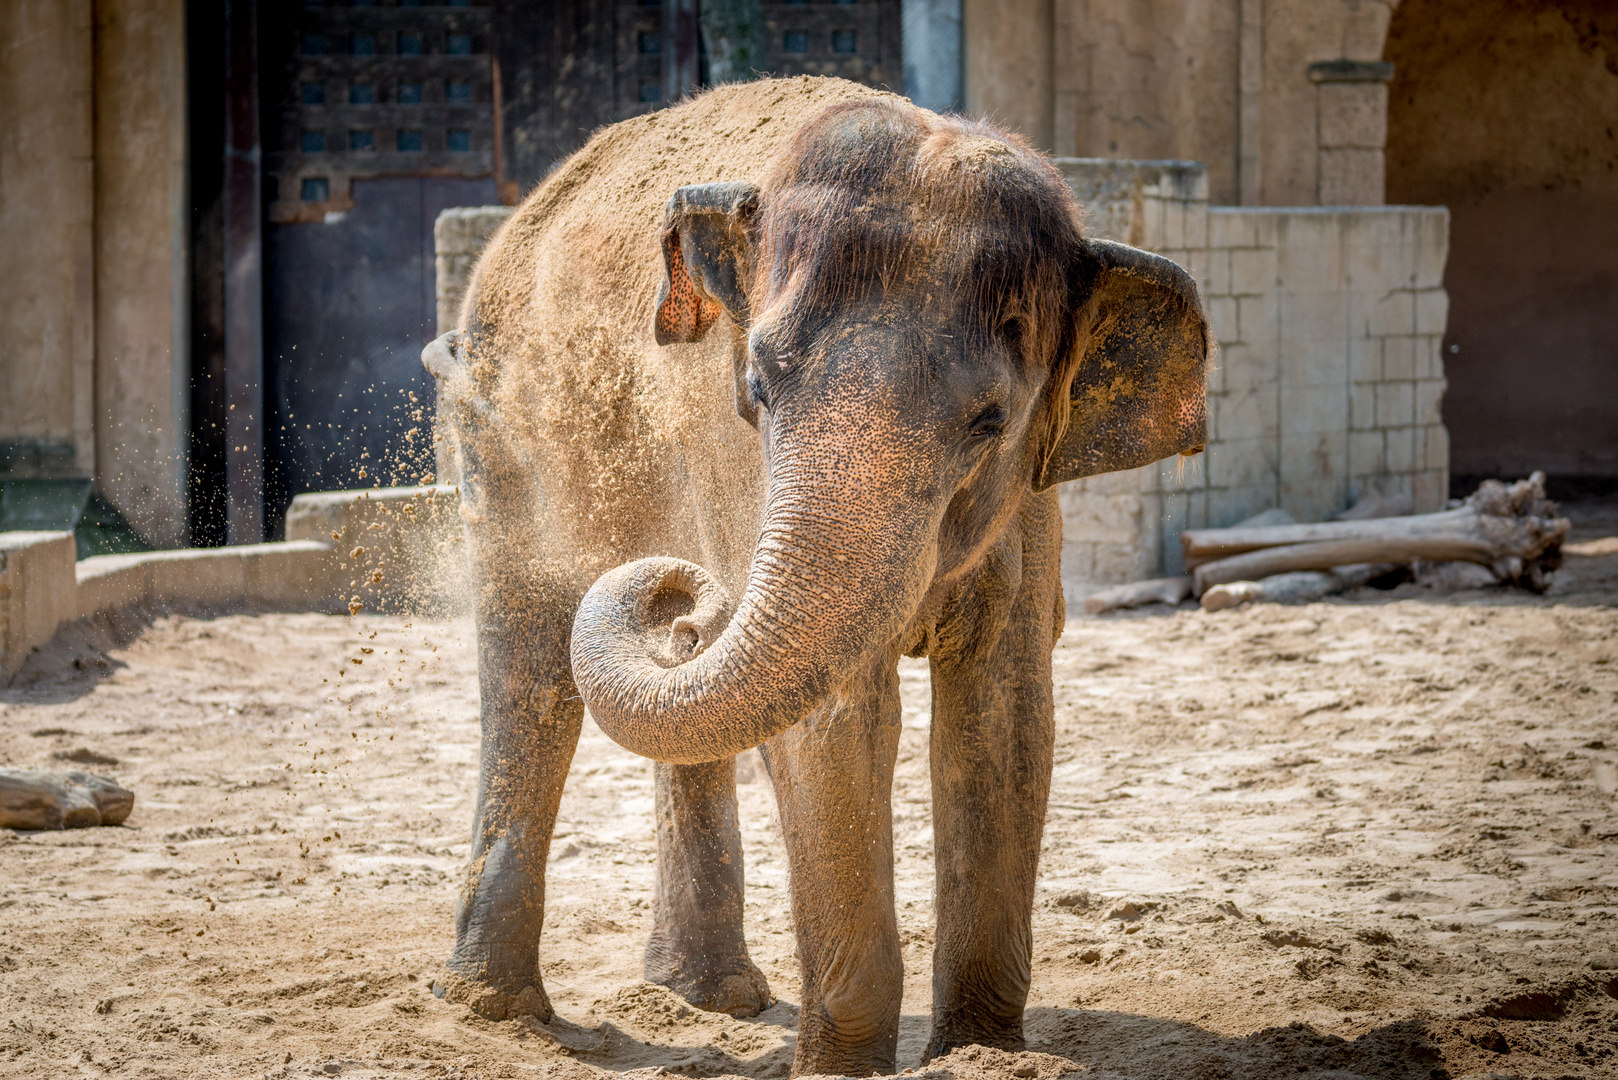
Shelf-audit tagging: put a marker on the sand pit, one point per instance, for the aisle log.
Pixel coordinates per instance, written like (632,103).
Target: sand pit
(1370,837)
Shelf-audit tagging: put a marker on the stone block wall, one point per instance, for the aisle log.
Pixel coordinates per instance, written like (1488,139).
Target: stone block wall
(459,236)
(1328,378)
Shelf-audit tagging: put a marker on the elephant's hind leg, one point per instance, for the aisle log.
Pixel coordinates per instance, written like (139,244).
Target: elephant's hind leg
(697,948)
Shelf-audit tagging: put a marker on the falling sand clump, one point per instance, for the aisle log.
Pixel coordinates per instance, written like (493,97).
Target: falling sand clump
(1369,837)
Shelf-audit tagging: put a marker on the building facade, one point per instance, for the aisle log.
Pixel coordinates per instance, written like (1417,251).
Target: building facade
(216,217)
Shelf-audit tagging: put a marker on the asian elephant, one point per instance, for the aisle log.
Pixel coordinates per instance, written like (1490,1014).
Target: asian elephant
(751,397)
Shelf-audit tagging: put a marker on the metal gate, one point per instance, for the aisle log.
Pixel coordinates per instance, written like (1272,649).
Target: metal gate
(374,120)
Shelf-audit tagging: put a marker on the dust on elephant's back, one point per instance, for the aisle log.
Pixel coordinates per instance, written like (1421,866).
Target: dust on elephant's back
(561,318)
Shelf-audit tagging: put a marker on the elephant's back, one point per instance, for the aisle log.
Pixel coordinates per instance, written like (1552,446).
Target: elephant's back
(592,227)
(623,434)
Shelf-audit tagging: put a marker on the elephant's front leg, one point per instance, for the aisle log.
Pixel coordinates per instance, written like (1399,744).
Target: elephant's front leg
(531,718)
(833,776)
(991,753)
(697,946)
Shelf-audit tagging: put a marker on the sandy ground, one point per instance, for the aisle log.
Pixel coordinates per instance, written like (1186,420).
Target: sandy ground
(1370,837)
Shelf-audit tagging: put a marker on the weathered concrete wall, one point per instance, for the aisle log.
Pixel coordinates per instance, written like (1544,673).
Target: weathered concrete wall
(387,549)
(1238,84)
(93,227)
(1313,149)
(142,223)
(36,593)
(1145,79)
(1507,114)
(1328,379)
(1008,64)
(46,247)
(459,236)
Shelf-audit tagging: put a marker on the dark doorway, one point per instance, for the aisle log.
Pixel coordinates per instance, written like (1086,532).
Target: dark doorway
(1506,113)
(349,303)
(376,118)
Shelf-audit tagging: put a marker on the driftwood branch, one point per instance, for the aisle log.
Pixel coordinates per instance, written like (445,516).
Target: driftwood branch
(1511,529)
(30,799)
(1294,588)
(1138,594)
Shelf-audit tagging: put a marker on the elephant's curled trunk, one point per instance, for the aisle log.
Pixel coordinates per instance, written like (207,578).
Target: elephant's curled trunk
(668,672)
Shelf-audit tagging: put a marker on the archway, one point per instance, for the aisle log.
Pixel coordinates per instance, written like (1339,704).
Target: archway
(1507,113)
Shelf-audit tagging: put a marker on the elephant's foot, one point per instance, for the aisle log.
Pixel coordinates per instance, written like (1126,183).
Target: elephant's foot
(495,987)
(952,1036)
(731,985)
(829,1057)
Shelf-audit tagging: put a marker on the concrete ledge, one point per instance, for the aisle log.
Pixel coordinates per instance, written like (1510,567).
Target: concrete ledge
(37,592)
(396,549)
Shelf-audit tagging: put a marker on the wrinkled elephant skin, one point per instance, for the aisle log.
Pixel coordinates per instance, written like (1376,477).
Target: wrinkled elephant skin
(750,398)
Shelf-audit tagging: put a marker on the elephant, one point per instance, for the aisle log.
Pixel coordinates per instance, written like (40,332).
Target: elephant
(751,397)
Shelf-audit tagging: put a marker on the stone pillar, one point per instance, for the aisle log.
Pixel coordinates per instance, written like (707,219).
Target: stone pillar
(1351,131)
(459,237)
(1250,103)
(142,293)
(47,325)
(1009,49)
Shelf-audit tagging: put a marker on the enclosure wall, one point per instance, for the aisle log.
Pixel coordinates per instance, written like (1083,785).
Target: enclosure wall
(1327,382)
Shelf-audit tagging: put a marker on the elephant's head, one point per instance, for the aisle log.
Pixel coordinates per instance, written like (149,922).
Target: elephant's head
(929,337)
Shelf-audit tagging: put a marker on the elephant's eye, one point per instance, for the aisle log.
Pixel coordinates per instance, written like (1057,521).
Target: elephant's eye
(1011,332)
(988,424)
(756,390)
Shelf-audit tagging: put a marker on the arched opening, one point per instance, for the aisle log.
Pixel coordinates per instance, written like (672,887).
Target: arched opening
(1507,113)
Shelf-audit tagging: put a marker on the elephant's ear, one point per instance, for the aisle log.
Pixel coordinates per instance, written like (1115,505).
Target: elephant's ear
(1139,389)
(705,260)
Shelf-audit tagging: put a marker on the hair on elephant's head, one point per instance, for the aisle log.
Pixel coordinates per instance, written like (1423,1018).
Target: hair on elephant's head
(929,336)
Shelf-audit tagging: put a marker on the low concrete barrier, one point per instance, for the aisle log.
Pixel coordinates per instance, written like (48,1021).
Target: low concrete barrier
(391,549)
(36,592)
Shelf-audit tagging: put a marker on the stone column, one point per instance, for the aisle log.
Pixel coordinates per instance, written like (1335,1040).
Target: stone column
(1351,131)
(142,286)
(1007,66)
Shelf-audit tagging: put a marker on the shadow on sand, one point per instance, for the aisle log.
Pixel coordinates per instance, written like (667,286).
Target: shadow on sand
(1102,1043)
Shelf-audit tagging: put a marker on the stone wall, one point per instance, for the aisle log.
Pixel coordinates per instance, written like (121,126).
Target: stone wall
(1283,99)
(142,286)
(459,236)
(1328,378)
(1507,115)
(47,324)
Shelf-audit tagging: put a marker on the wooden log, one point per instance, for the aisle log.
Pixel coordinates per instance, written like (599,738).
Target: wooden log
(1300,587)
(1267,562)
(1139,593)
(31,799)
(1516,519)
(1206,545)
(1511,529)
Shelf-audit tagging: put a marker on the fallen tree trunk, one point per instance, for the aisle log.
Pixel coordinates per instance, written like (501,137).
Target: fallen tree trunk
(1169,590)
(1294,588)
(1510,529)
(30,799)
